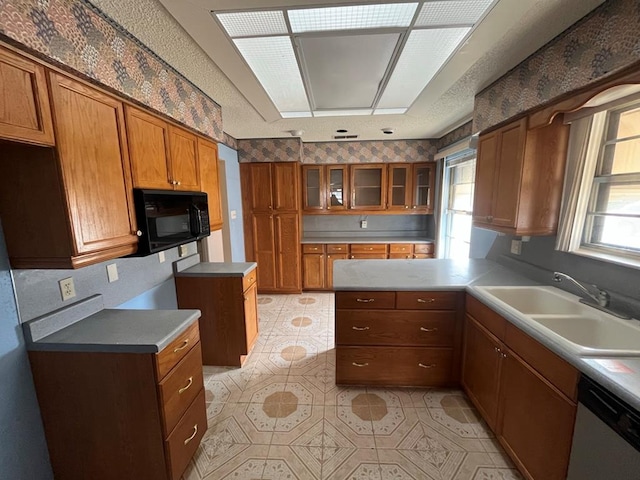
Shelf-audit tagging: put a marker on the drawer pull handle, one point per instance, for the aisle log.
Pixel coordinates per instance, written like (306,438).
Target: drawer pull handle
(187,387)
(355,364)
(181,347)
(422,300)
(424,329)
(369,248)
(193,435)
(365,300)
(422,365)
(360,329)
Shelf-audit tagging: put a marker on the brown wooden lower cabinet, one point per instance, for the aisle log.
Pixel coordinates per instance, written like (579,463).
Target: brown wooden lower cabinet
(122,415)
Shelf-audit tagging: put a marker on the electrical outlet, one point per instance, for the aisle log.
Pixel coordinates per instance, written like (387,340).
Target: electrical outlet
(516,247)
(67,288)
(161,257)
(112,272)
(233,214)
(183,250)
(363,224)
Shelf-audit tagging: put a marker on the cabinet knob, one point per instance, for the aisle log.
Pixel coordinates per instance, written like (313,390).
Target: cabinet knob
(489,218)
(172,182)
(408,256)
(415,206)
(329,207)
(270,207)
(139,233)
(328,256)
(406,206)
(178,183)
(353,256)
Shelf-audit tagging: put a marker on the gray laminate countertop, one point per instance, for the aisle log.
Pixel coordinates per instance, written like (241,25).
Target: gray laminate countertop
(362,239)
(620,375)
(218,269)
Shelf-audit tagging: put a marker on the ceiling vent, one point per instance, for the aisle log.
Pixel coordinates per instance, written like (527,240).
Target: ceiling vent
(345,137)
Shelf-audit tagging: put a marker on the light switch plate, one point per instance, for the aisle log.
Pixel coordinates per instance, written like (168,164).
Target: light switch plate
(67,288)
(112,272)
(161,257)
(183,250)
(233,214)
(516,247)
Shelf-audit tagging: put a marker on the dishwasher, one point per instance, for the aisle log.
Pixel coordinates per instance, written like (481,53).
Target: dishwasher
(606,439)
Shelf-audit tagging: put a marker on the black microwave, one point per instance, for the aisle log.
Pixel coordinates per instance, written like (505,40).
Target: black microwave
(168,218)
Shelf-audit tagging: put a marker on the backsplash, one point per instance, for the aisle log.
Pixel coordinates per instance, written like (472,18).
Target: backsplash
(328,226)
(80,38)
(602,43)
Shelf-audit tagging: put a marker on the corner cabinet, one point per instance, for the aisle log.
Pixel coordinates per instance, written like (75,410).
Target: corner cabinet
(519,178)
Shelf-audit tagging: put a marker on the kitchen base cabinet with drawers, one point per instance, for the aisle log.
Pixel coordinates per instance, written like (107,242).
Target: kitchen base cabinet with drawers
(113,415)
(398,338)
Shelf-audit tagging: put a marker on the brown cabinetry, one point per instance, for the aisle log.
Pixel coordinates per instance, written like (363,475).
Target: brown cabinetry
(368,187)
(399,187)
(146,421)
(210,180)
(229,321)
(398,338)
(519,178)
(525,392)
(25,114)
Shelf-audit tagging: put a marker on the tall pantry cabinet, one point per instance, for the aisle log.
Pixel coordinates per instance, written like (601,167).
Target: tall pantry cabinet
(271,205)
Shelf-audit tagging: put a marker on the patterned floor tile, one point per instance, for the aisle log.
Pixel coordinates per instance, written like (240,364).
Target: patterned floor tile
(392,425)
(463,435)
(351,422)
(361,464)
(284,462)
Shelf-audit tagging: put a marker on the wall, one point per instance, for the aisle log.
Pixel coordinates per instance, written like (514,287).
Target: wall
(231,202)
(377,225)
(23,450)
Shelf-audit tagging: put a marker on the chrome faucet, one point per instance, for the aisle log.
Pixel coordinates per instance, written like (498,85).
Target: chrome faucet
(601,298)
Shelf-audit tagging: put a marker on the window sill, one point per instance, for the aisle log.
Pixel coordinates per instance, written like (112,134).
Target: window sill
(625,261)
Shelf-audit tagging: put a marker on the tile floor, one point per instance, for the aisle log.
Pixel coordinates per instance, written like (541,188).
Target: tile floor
(282,417)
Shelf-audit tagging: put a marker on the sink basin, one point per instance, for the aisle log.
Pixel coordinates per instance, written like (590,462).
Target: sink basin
(580,328)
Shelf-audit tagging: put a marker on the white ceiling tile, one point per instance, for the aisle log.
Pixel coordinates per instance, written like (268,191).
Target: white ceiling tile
(245,24)
(451,12)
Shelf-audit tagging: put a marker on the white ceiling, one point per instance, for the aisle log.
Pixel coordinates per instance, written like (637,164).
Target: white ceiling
(510,32)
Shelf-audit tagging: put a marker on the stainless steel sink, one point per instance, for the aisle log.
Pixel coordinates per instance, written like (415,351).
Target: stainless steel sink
(582,329)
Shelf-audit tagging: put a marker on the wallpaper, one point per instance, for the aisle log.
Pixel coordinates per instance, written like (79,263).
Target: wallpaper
(369,151)
(270,150)
(602,43)
(229,141)
(455,135)
(82,39)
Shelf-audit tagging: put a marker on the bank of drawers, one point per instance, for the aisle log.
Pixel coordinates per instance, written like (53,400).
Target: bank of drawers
(397,338)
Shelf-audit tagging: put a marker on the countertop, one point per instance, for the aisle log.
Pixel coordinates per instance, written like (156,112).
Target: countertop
(360,239)
(87,327)
(620,375)
(209,269)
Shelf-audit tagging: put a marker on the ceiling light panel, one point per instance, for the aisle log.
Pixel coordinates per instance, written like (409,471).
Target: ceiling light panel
(389,111)
(341,113)
(351,17)
(423,55)
(274,63)
(249,24)
(451,12)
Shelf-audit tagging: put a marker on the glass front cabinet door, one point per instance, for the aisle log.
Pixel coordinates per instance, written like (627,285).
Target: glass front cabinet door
(368,184)
(399,192)
(337,197)
(314,187)
(423,186)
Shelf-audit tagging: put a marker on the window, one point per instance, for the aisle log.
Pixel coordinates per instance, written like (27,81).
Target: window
(457,201)
(606,222)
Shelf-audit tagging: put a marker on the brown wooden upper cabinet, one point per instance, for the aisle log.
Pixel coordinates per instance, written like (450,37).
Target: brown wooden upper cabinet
(399,186)
(423,183)
(273,186)
(368,187)
(210,180)
(314,188)
(325,188)
(162,156)
(519,178)
(25,114)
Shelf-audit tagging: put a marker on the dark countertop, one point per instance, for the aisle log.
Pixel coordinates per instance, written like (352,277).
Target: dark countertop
(215,269)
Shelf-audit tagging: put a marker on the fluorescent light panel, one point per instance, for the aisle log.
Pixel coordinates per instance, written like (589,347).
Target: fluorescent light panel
(389,111)
(274,63)
(354,17)
(247,24)
(423,55)
(295,114)
(451,12)
(341,113)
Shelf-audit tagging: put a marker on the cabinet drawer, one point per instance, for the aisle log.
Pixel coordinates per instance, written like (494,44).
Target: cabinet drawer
(378,327)
(249,279)
(185,438)
(557,371)
(369,248)
(426,300)
(400,248)
(422,256)
(486,317)
(366,300)
(396,256)
(368,256)
(179,388)
(407,366)
(312,248)
(337,248)
(423,248)
(176,350)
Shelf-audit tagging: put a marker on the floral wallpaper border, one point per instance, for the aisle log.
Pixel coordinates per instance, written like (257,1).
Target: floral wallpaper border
(599,45)
(79,37)
(383,151)
(229,141)
(270,150)
(455,135)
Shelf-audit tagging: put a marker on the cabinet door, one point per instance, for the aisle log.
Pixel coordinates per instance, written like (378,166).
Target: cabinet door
(368,187)
(185,172)
(332,257)
(481,369)
(486,170)
(259,192)
(399,191)
(148,139)
(313,188)
(337,187)
(210,180)
(95,165)
(251,315)
(287,232)
(509,174)
(313,270)
(264,250)
(285,186)
(424,177)
(536,421)
(25,113)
